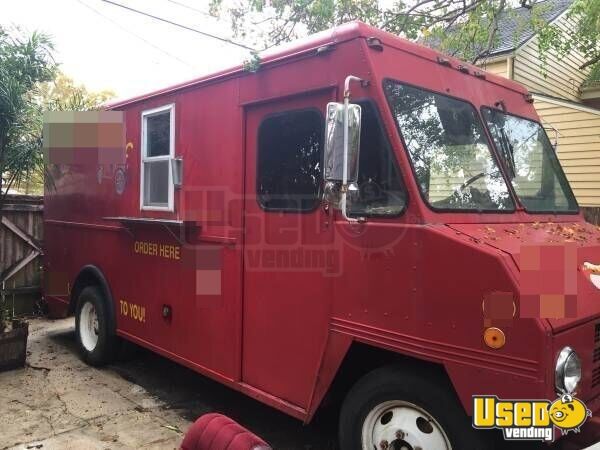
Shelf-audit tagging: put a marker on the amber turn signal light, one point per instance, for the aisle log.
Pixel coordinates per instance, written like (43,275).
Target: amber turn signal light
(494,338)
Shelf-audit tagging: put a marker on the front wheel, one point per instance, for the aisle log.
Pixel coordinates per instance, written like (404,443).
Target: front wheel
(96,341)
(394,409)
(401,425)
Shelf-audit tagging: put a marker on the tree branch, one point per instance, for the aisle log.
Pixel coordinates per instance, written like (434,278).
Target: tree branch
(405,14)
(493,31)
(590,62)
(450,16)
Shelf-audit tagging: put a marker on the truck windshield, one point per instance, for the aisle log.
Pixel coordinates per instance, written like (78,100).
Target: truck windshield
(531,163)
(452,160)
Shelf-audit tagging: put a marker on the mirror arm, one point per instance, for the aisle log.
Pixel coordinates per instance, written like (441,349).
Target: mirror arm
(344,189)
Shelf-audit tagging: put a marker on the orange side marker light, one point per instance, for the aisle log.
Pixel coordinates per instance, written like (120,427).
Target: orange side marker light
(494,338)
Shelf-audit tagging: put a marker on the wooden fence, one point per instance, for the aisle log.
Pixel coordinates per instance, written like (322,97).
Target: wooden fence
(21,234)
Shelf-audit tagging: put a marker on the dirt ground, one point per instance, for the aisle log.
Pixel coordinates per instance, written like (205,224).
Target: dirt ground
(142,402)
(146,401)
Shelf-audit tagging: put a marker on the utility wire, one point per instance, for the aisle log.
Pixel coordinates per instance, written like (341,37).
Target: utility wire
(185,27)
(125,29)
(191,8)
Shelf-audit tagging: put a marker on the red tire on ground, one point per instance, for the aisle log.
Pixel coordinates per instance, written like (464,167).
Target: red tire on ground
(218,432)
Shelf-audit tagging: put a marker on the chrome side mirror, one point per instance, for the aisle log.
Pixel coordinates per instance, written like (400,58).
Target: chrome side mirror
(335,156)
(342,145)
(556,134)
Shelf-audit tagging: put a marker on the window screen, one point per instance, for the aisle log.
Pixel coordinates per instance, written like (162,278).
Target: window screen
(158,134)
(289,161)
(156,182)
(156,158)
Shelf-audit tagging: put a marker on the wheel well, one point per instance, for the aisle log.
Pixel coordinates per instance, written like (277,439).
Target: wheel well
(85,278)
(363,358)
(89,276)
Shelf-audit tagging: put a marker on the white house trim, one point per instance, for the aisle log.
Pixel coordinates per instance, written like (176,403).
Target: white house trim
(565,104)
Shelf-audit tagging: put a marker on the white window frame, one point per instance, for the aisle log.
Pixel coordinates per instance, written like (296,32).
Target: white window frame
(144,158)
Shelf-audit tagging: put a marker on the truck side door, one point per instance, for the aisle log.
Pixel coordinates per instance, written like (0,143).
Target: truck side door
(288,252)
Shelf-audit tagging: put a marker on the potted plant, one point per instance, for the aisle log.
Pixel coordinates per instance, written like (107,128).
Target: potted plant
(25,63)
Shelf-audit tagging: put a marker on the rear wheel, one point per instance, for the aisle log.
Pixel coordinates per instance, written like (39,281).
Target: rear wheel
(395,409)
(88,326)
(97,342)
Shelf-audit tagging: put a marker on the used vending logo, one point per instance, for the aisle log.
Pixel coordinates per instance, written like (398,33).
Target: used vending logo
(529,419)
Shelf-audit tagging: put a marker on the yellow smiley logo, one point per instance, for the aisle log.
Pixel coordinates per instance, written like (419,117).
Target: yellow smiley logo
(568,413)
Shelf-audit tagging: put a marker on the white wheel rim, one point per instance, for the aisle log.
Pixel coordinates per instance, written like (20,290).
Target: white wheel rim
(88,326)
(400,425)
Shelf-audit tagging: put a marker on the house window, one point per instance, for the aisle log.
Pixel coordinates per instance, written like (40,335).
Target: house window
(289,161)
(158,148)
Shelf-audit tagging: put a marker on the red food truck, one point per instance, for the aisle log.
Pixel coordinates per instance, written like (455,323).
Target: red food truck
(359,217)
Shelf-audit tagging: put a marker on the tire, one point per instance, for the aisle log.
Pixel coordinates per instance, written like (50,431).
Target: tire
(96,340)
(409,410)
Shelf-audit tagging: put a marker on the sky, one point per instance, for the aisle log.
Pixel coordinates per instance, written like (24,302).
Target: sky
(106,47)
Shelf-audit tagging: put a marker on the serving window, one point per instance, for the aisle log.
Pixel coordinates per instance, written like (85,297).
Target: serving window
(158,150)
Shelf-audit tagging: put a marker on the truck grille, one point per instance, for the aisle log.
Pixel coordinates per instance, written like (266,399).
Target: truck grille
(596,358)
(596,377)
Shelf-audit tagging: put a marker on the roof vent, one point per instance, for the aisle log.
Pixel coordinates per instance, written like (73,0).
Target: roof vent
(444,61)
(325,49)
(375,43)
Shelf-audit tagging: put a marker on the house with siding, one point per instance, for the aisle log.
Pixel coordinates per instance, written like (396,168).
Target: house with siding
(565,99)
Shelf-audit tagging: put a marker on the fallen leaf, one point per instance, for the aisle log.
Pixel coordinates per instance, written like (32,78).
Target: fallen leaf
(172,428)
(591,267)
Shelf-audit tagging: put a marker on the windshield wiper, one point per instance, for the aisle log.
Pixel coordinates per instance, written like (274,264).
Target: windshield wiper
(508,152)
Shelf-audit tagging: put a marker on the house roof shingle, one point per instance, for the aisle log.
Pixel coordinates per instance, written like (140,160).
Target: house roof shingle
(514,25)
(513,28)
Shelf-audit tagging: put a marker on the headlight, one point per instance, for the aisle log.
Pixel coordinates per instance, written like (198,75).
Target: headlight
(568,371)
